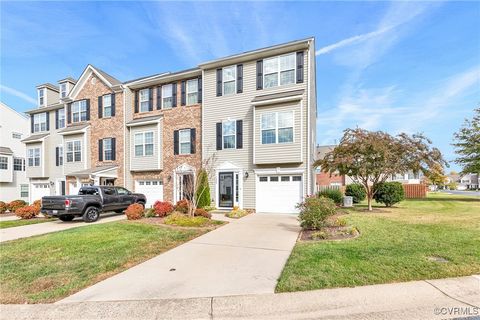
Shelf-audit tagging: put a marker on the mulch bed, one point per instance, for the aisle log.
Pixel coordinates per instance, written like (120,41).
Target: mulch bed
(161,222)
(9,214)
(332,233)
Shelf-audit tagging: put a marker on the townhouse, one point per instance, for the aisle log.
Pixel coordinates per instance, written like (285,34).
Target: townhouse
(13,181)
(251,116)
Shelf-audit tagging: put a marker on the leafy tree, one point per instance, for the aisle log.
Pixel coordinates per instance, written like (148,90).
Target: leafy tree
(370,157)
(203,190)
(467,144)
(436,176)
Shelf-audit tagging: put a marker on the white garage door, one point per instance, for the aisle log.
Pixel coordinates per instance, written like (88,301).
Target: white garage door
(39,190)
(152,189)
(278,193)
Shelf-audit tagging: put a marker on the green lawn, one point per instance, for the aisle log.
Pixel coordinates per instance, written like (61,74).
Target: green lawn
(20,222)
(48,267)
(394,246)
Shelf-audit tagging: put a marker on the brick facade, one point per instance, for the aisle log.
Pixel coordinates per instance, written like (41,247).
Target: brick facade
(325,179)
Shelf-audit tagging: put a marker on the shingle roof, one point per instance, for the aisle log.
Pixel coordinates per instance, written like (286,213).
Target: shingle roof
(6,150)
(35,137)
(322,151)
(92,170)
(74,127)
(145,119)
(279,95)
(113,81)
(51,107)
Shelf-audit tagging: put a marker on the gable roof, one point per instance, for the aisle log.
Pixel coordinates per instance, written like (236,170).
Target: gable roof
(109,80)
(6,150)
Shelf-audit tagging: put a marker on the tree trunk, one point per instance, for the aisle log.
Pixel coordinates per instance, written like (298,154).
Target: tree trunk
(369,197)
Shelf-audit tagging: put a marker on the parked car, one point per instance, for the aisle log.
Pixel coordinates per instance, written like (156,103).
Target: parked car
(90,202)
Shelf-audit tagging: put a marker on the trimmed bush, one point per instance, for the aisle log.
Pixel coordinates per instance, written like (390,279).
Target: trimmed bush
(37,204)
(203,190)
(199,212)
(389,193)
(16,204)
(181,220)
(182,206)
(3,207)
(315,211)
(333,194)
(236,213)
(27,212)
(356,191)
(163,208)
(134,211)
(150,213)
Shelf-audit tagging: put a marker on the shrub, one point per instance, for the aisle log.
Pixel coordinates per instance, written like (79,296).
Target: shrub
(315,211)
(236,213)
(182,206)
(389,193)
(199,212)
(340,222)
(16,204)
(334,194)
(202,193)
(319,235)
(3,207)
(357,191)
(37,204)
(134,211)
(210,208)
(353,231)
(150,213)
(163,208)
(179,219)
(27,212)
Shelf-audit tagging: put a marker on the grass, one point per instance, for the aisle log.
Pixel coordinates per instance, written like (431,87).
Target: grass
(395,245)
(52,266)
(21,222)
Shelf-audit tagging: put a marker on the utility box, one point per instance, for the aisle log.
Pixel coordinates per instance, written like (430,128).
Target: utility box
(348,201)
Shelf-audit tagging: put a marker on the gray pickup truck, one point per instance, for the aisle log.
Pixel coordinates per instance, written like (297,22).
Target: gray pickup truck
(90,202)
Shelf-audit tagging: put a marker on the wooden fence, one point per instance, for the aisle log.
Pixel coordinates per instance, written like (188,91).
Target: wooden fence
(322,188)
(415,191)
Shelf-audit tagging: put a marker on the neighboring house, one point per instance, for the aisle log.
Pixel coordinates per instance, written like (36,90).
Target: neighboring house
(408,178)
(13,180)
(259,114)
(324,178)
(469,181)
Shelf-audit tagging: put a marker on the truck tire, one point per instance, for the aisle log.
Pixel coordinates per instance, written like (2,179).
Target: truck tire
(66,217)
(91,214)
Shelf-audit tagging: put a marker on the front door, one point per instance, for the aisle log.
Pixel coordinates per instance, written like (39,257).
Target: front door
(225,190)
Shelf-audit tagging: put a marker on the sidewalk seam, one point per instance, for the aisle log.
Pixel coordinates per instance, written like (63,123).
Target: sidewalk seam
(233,246)
(446,294)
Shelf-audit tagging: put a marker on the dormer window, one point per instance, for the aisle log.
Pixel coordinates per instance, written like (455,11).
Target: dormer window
(63,90)
(41,97)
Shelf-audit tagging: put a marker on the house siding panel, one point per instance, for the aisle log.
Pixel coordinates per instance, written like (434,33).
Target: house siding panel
(146,163)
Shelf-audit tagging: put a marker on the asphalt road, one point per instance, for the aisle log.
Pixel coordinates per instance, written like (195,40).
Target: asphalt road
(464,193)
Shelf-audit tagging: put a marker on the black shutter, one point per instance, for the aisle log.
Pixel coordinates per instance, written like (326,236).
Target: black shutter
(199,95)
(69,113)
(112,97)
(259,74)
(114,148)
(57,153)
(239,134)
(31,122)
(239,78)
(150,99)
(174,95)
(100,106)
(175,142)
(192,141)
(88,109)
(219,136)
(136,102)
(100,150)
(56,119)
(159,97)
(47,116)
(219,82)
(300,67)
(183,98)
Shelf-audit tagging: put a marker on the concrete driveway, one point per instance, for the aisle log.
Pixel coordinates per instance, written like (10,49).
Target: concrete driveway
(244,257)
(31,230)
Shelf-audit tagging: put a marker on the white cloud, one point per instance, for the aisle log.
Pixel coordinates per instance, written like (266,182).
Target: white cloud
(18,94)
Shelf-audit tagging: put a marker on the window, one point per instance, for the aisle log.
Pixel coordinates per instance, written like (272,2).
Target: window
(192,91)
(60,155)
(107,149)
(88,191)
(285,178)
(19,164)
(184,141)
(277,127)
(79,111)
(63,90)
(273,179)
(109,191)
(122,191)
(143,144)
(61,118)
(229,134)
(263,179)
(167,96)
(33,157)
(41,97)
(229,79)
(24,191)
(16,135)
(40,122)
(107,106)
(279,71)
(74,151)
(3,163)
(144,100)
(297,178)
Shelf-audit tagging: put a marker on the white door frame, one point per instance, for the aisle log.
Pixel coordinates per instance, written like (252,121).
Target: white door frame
(178,174)
(230,167)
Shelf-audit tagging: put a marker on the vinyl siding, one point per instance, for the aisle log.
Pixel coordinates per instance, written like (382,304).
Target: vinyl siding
(70,167)
(146,163)
(34,172)
(236,107)
(128,109)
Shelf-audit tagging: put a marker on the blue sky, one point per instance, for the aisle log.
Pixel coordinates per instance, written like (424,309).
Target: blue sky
(394,66)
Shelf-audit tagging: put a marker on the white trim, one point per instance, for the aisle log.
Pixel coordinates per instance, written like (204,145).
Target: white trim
(278,170)
(163,95)
(73,151)
(144,144)
(234,80)
(140,100)
(254,133)
(277,128)
(279,71)
(276,100)
(234,135)
(203,117)
(187,93)
(301,131)
(67,133)
(309,138)
(124,138)
(160,146)
(85,165)
(78,86)
(180,142)
(144,123)
(229,167)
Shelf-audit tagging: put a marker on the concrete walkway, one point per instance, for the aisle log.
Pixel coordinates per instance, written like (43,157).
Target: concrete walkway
(25,231)
(434,299)
(244,257)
